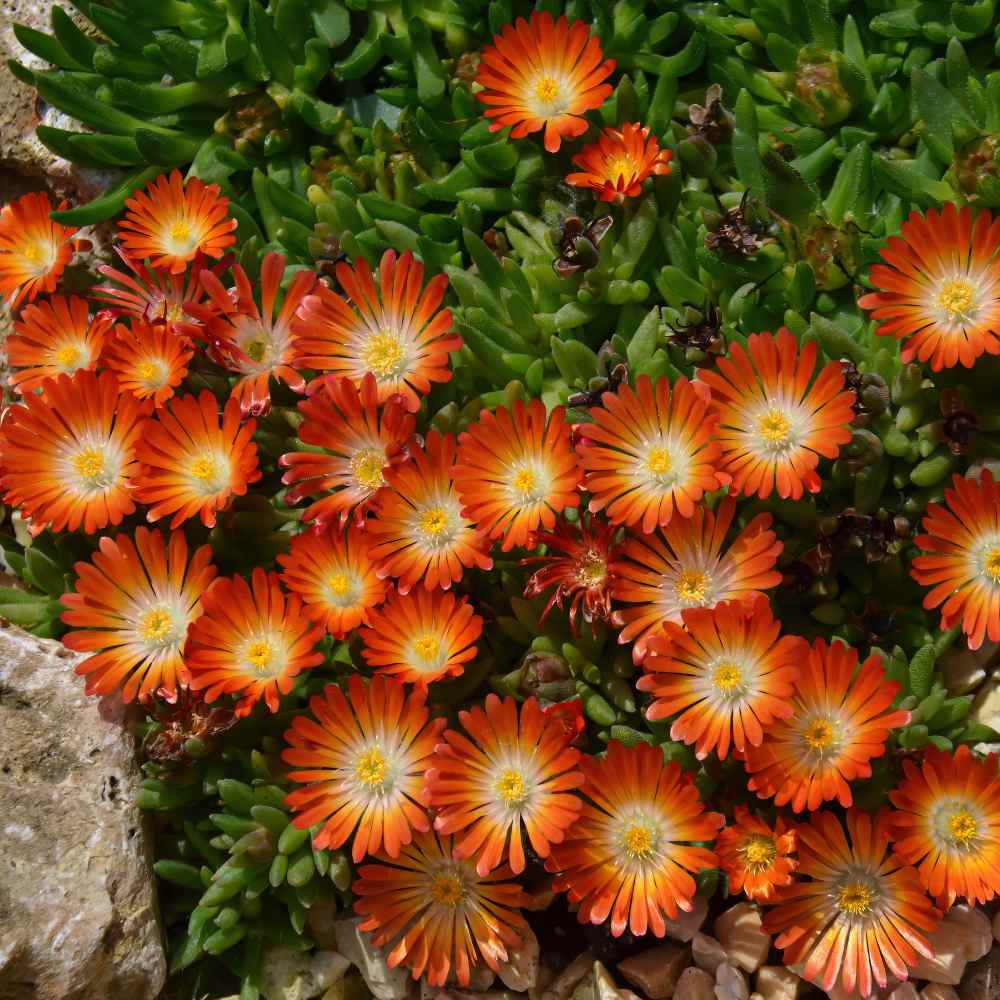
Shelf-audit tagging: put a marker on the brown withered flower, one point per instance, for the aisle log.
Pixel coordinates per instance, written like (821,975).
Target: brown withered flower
(711,120)
(578,243)
(187,730)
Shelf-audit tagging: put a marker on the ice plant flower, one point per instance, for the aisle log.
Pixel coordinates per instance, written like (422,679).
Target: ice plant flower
(52,337)
(432,912)
(615,166)
(507,771)
(580,565)
(726,672)
(333,572)
(362,764)
(854,915)
(419,535)
(156,297)
(629,856)
(397,332)
(755,857)
(172,220)
(947,823)
(131,609)
(685,566)
(774,426)
(421,637)
(543,74)
(939,288)
(251,641)
(258,344)
(193,465)
(359,439)
(841,718)
(34,250)
(516,471)
(650,451)
(149,361)
(68,456)
(961,561)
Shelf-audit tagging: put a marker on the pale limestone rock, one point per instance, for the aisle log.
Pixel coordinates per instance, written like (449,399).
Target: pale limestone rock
(564,984)
(78,914)
(688,923)
(289,974)
(520,971)
(938,991)
(975,929)
(996,926)
(775,982)
(708,954)
(730,983)
(961,671)
(904,991)
(357,947)
(655,972)
(695,984)
(598,985)
(740,934)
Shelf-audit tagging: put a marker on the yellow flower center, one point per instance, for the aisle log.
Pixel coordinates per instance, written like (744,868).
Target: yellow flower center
(759,852)
(427,647)
(773,426)
(955,297)
(32,253)
(991,564)
(203,468)
(524,481)
(727,677)
(180,231)
(89,463)
(692,586)
(383,354)
(434,521)
(819,735)
(256,350)
(146,370)
(339,584)
(547,89)
(447,889)
(620,166)
(856,898)
(366,467)
(155,625)
(371,768)
(260,654)
(591,568)
(658,461)
(68,356)
(638,841)
(510,787)
(962,827)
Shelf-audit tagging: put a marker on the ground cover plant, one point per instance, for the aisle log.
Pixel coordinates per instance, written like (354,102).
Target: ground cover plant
(524,464)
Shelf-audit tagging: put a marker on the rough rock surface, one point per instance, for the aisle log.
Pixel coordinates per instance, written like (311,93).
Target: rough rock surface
(77,905)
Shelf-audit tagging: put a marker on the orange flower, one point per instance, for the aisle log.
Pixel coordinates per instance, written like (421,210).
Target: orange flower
(255,343)
(435,915)
(419,533)
(192,464)
(34,250)
(939,289)
(172,221)
(541,74)
(359,441)
(854,914)
(962,564)
(150,361)
(68,456)
(504,773)
(948,823)
(774,427)
(516,470)
(421,637)
(333,572)
(649,451)
(398,332)
(684,567)
(755,857)
(616,165)
(133,604)
(839,722)
(364,762)
(250,642)
(726,672)
(156,297)
(581,562)
(629,854)
(54,337)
